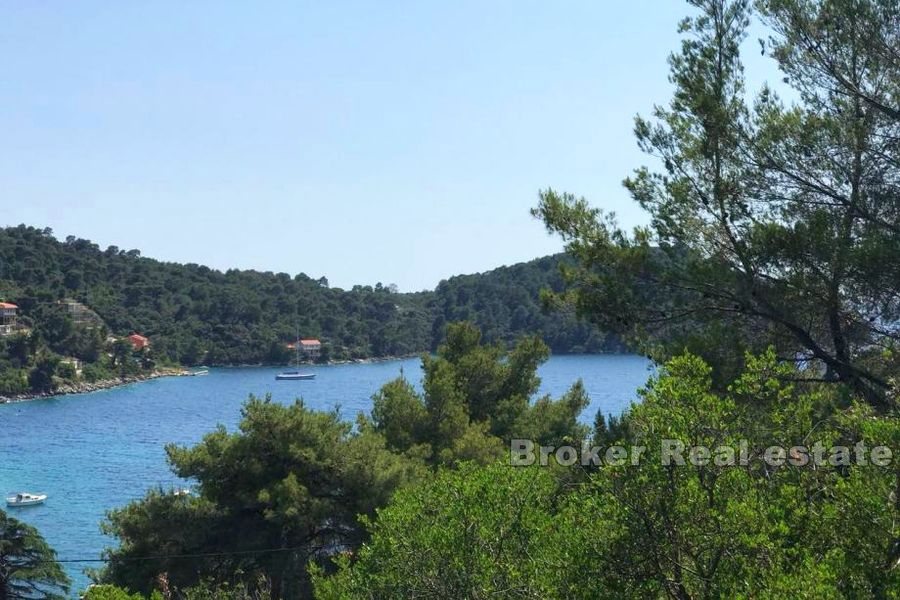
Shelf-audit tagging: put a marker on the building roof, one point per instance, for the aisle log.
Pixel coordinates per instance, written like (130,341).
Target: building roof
(7,305)
(310,343)
(136,337)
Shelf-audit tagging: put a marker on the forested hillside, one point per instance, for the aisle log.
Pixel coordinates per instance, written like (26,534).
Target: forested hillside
(505,305)
(194,314)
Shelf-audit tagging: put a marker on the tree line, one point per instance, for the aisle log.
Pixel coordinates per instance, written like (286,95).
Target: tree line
(195,315)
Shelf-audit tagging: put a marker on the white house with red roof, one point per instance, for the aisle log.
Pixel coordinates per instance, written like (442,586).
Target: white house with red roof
(8,318)
(138,342)
(311,348)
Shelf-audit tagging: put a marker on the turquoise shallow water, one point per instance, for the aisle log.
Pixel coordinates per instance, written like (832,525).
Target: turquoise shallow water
(92,452)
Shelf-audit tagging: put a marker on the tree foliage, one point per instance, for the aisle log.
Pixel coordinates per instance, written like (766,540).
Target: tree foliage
(476,398)
(194,314)
(803,529)
(28,567)
(284,490)
(771,223)
(506,304)
(747,474)
(477,532)
(646,529)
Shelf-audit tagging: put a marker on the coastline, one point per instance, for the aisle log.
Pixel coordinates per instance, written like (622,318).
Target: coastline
(329,363)
(85,387)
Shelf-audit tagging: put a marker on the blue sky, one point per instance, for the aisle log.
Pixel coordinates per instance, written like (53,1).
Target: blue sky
(401,142)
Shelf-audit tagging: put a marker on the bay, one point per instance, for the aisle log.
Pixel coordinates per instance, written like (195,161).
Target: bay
(93,452)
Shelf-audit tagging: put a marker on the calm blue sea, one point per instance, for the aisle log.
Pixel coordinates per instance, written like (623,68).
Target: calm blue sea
(93,452)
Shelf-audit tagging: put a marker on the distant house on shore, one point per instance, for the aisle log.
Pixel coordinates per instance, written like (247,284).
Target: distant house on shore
(138,342)
(8,318)
(74,362)
(311,348)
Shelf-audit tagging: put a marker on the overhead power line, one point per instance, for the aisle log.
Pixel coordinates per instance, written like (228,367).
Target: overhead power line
(175,556)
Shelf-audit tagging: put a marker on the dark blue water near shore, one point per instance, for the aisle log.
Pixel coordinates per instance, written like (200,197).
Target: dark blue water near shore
(92,452)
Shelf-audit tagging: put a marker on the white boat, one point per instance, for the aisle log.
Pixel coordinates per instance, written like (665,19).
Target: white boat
(198,373)
(289,375)
(25,499)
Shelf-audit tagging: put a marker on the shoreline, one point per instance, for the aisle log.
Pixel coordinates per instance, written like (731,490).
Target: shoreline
(84,387)
(330,363)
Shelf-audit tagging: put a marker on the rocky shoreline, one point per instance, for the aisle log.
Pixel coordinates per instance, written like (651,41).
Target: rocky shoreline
(85,387)
(342,361)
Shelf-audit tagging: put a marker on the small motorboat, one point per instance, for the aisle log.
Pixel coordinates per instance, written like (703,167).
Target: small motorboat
(294,375)
(25,499)
(198,373)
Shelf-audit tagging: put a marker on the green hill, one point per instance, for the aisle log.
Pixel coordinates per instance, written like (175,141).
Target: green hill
(505,304)
(194,314)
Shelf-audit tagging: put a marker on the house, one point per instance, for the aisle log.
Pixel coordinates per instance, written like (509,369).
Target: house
(74,362)
(138,341)
(80,314)
(8,317)
(311,348)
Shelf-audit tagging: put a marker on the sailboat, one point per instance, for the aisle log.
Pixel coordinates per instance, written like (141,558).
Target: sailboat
(295,375)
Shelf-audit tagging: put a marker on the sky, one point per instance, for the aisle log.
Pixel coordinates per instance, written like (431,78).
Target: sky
(394,142)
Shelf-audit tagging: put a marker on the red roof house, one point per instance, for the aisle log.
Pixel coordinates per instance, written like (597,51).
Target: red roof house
(138,341)
(311,347)
(7,318)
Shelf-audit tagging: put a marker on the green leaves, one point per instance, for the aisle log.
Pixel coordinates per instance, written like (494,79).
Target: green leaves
(289,482)
(771,226)
(468,533)
(477,397)
(735,531)
(704,528)
(28,567)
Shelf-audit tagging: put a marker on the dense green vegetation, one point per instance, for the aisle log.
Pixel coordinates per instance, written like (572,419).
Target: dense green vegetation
(771,222)
(28,567)
(43,357)
(506,303)
(466,530)
(195,315)
(762,459)
(654,531)
(201,591)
